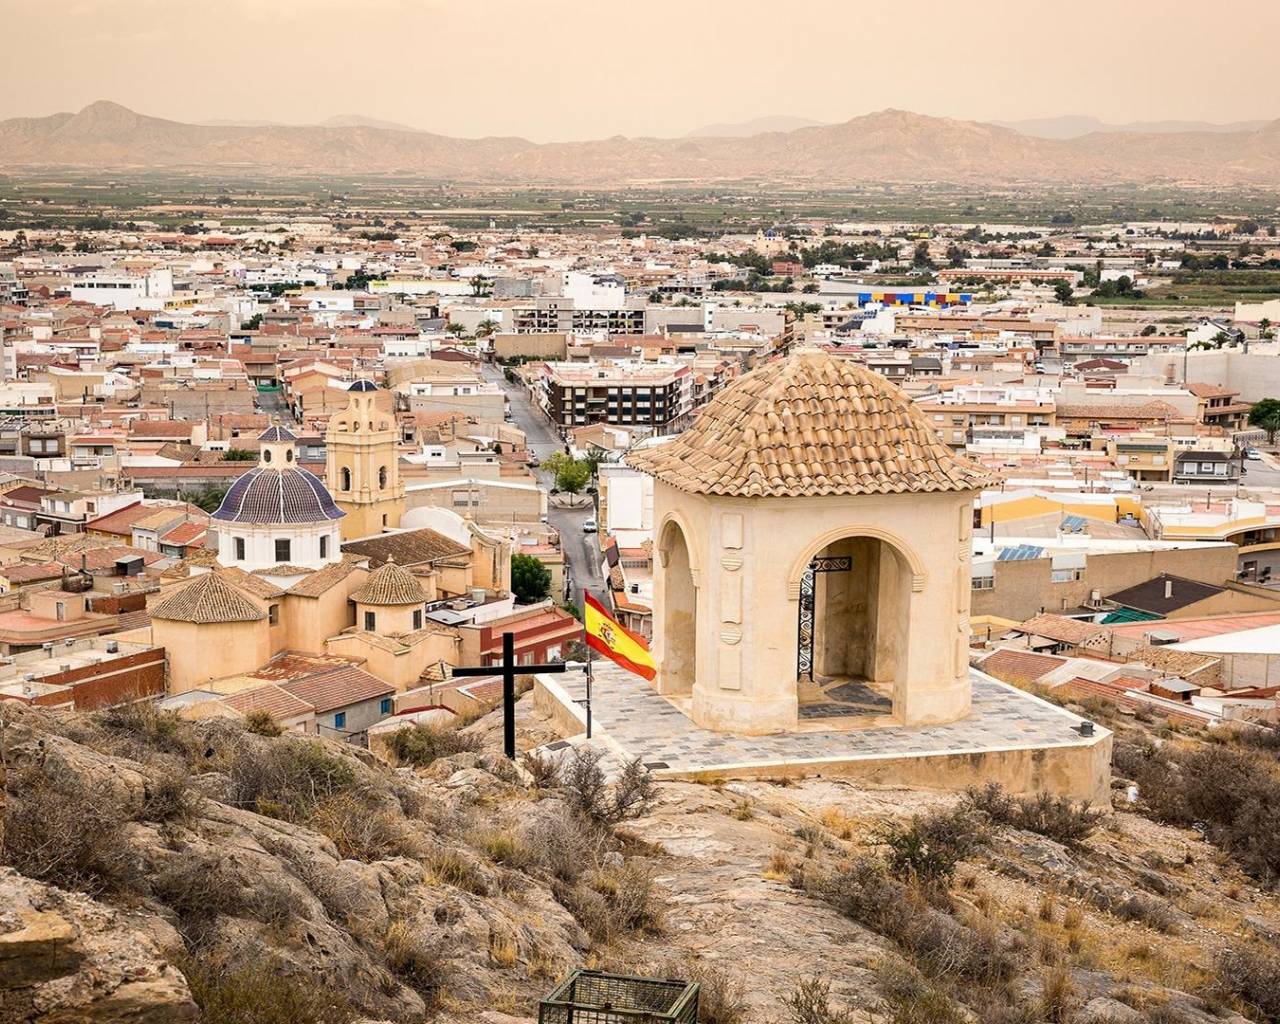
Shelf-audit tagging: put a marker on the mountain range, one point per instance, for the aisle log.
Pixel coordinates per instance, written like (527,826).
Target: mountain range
(888,146)
(1073,126)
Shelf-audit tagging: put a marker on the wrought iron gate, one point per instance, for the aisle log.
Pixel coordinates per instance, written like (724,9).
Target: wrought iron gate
(808,602)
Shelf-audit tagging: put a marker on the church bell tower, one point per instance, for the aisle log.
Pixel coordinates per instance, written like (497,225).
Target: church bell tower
(361,464)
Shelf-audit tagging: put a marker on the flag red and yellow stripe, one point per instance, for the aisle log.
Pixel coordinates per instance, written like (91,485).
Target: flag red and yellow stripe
(617,643)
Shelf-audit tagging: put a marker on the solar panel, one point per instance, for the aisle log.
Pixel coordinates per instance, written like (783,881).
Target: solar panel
(1019,553)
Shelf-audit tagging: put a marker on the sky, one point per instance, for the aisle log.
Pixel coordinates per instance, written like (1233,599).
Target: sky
(579,69)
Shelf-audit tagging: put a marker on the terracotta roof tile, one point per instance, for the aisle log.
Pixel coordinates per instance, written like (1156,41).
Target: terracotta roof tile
(207,598)
(272,699)
(338,688)
(390,584)
(411,547)
(811,425)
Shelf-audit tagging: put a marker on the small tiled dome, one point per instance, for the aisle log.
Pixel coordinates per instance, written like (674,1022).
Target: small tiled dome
(363,384)
(276,434)
(390,584)
(288,495)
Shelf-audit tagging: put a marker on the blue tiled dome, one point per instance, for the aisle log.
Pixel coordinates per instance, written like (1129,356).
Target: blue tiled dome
(363,384)
(277,496)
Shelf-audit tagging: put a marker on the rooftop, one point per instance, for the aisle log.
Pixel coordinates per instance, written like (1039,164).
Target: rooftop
(811,425)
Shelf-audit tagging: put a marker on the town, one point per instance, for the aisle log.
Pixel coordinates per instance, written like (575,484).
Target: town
(794,572)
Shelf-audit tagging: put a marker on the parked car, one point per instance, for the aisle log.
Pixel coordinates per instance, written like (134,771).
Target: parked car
(533,459)
(590,525)
(1253,455)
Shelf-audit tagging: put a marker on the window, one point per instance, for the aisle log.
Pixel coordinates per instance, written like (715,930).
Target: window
(382,476)
(984,583)
(370,622)
(384,707)
(346,479)
(340,720)
(324,547)
(417,618)
(1065,575)
(273,614)
(239,549)
(266,454)
(284,549)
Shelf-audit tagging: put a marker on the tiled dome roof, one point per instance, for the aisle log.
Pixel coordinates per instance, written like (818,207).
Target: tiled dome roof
(390,584)
(276,433)
(207,598)
(288,495)
(811,425)
(363,384)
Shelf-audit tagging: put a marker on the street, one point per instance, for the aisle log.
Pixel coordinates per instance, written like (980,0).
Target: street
(582,555)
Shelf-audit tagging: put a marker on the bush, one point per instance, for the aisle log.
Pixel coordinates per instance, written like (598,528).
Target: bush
(66,829)
(263,994)
(169,798)
(286,779)
(544,771)
(943,947)
(420,745)
(261,723)
(631,897)
(1235,794)
(449,867)
(1253,976)
(360,829)
(1152,912)
(198,888)
(148,728)
(930,846)
(911,999)
(590,797)
(1056,818)
(415,962)
(562,845)
(720,993)
(810,1003)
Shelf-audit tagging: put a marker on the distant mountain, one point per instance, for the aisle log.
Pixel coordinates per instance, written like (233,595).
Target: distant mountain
(891,145)
(360,121)
(1072,127)
(757,126)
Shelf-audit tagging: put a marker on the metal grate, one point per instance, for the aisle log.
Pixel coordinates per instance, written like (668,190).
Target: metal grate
(592,997)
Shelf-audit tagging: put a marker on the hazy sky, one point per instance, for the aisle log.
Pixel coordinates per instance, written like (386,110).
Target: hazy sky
(562,69)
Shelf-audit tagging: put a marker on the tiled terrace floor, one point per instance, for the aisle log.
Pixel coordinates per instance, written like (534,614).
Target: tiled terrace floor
(632,718)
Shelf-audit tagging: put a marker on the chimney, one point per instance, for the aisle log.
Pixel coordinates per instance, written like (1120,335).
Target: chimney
(1168,588)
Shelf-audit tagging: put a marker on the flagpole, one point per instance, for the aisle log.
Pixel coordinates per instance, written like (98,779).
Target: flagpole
(591,657)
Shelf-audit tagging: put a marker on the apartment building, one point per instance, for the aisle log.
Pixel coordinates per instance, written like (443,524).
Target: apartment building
(560,314)
(631,393)
(1073,350)
(956,414)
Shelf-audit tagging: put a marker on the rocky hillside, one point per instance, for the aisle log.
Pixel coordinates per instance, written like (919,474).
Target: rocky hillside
(890,145)
(158,870)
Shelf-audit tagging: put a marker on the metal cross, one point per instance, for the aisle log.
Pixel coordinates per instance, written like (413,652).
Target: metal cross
(508,670)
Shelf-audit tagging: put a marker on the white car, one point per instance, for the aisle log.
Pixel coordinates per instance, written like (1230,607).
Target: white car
(589,526)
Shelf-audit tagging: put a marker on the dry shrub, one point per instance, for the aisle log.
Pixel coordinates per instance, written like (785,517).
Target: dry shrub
(143,729)
(285,778)
(197,888)
(1234,794)
(721,994)
(420,745)
(263,994)
(910,997)
(562,845)
(361,830)
(1056,818)
(590,796)
(943,947)
(544,770)
(930,846)
(506,848)
(1152,912)
(169,798)
(1252,975)
(451,867)
(632,897)
(260,723)
(66,829)
(417,963)
(1058,996)
(810,1003)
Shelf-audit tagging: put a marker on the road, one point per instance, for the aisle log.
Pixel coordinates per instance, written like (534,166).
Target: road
(581,550)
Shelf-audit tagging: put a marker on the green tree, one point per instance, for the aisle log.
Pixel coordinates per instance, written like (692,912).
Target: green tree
(571,474)
(1064,293)
(530,579)
(240,455)
(1266,416)
(455,328)
(485,328)
(207,498)
(253,323)
(1264,329)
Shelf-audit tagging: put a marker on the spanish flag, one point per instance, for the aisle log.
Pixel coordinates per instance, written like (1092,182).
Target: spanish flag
(615,641)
